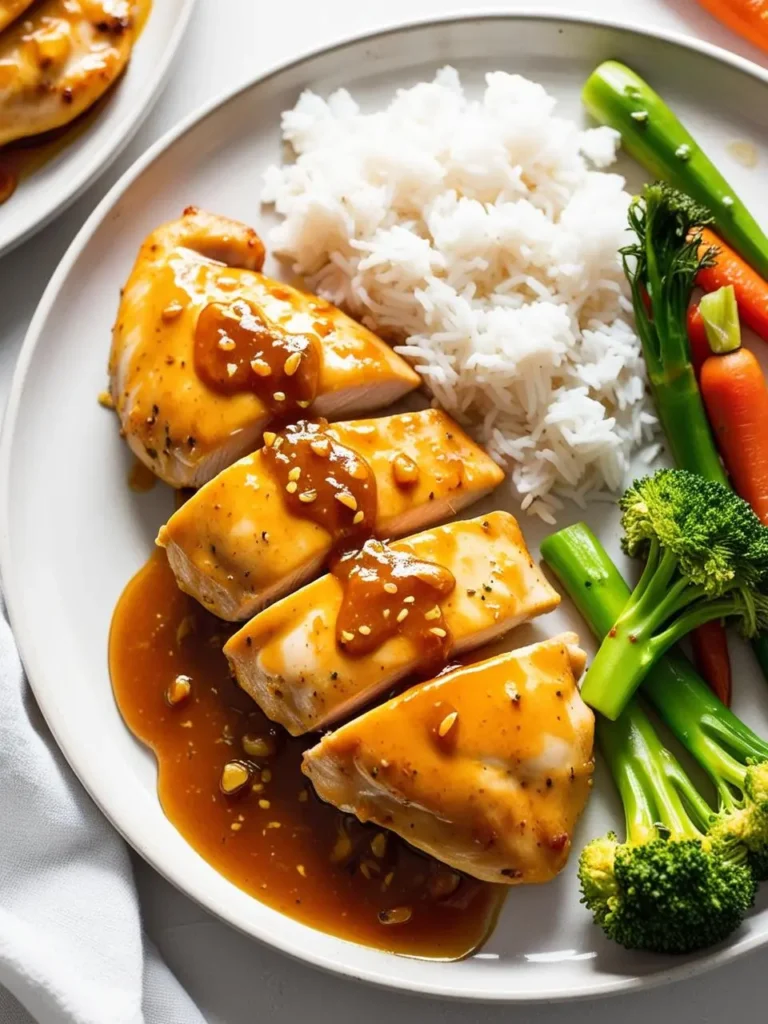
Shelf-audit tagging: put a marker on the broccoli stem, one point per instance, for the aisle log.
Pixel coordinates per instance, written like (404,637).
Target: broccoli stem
(652,134)
(653,788)
(592,581)
(637,639)
(720,742)
(599,592)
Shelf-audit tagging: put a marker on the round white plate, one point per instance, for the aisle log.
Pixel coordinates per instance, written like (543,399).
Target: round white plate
(73,533)
(44,193)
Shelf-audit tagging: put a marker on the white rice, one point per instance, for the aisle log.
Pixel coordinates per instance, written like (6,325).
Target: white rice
(476,233)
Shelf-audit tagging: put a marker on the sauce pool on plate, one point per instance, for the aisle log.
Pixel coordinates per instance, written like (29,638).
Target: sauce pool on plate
(230,781)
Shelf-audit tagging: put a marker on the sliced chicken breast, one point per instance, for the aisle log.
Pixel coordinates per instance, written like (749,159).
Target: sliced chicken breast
(289,658)
(486,768)
(236,544)
(179,425)
(58,60)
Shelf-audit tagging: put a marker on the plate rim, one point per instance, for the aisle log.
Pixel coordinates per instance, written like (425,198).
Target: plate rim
(26,641)
(123,133)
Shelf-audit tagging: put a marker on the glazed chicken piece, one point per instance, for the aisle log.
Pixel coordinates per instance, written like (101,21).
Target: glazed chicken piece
(193,303)
(58,60)
(303,671)
(11,9)
(237,544)
(486,768)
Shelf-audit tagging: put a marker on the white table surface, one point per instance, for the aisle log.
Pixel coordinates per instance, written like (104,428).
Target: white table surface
(233,979)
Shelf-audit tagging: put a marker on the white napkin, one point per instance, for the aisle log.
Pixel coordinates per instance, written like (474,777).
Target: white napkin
(72,949)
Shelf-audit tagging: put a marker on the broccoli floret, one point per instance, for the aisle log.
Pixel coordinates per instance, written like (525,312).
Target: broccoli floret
(706,558)
(653,786)
(671,887)
(711,535)
(669,896)
(743,819)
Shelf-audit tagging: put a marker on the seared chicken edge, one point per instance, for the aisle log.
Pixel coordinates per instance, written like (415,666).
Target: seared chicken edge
(235,546)
(287,657)
(486,768)
(179,426)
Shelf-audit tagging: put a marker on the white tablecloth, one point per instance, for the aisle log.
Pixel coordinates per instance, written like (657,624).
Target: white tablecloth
(233,979)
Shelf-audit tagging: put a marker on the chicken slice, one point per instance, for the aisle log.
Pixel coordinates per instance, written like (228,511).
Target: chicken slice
(235,545)
(59,60)
(486,768)
(288,658)
(10,11)
(181,428)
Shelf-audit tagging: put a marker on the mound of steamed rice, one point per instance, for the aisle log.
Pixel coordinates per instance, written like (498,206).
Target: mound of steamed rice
(482,236)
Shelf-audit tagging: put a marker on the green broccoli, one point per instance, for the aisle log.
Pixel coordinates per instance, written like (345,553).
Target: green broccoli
(671,887)
(706,558)
(729,751)
(734,757)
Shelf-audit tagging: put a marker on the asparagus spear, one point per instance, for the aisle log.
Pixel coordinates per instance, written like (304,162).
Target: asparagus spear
(661,266)
(616,96)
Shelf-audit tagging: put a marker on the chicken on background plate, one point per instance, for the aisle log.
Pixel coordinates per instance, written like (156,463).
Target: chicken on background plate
(58,59)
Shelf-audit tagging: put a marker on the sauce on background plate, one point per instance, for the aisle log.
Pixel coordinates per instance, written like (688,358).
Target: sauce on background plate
(22,158)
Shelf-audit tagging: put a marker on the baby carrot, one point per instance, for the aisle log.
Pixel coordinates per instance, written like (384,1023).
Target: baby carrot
(729,268)
(709,642)
(747,17)
(736,398)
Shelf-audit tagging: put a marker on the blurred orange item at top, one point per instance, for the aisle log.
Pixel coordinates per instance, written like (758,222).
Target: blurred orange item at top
(747,17)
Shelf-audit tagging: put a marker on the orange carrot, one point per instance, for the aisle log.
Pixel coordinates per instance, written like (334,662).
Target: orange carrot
(736,399)
(697,338)
(747,17)
(710,655)
(729,268)
(709,642)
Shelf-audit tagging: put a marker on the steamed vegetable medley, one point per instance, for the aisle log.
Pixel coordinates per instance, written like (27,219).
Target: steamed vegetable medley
(687,868)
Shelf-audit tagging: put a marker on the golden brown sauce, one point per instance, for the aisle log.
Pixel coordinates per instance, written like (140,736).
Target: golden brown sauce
(272,837)
(141,11)
(324,481)
(8,182)
(21,159)
(441,723)
(237,350)
(386,592)
(141,478)
(389,593)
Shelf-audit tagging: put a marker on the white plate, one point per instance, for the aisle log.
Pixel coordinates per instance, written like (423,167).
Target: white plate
(44,193)
(72,532)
